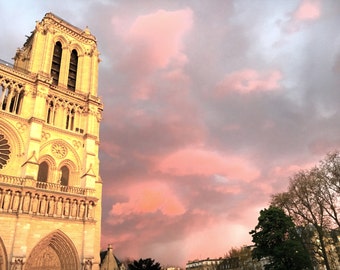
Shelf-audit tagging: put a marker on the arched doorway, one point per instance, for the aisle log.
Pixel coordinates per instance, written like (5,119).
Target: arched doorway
(55,252)
(3,256)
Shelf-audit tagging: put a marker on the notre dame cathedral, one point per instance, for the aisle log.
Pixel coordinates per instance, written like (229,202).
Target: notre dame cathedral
(50,187)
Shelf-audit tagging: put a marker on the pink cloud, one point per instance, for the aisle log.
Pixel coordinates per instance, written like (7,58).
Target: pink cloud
(160,36)
(149,197)
(249,80)
(199,161)
(308,10)
(153,43)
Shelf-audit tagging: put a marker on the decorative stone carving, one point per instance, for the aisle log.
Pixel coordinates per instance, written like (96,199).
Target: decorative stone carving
(16,201)
(81,209)
(13,201)
(21,127)
(76,144)
(87,264)
(4,151)
(7,200)
(67,208)
(35,203)
(45,136)
(26,202)
(74,209)
(59,207)
(51,205)
(17,263)
(59,150)
(42,209)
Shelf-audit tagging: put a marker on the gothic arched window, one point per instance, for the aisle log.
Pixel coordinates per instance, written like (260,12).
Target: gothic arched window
(50,113)
(11,98)
(72,72)
(56,61)
(4,98)
(70,119)
(19,102)
(65,174)
(43,172)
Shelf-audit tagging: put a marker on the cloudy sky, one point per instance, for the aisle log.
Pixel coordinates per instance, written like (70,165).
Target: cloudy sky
(209,108)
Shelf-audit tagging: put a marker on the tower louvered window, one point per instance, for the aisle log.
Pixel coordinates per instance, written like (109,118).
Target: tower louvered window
(72,73)
(56,61)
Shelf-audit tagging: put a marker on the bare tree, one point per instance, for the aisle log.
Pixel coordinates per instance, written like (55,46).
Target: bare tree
(304,203)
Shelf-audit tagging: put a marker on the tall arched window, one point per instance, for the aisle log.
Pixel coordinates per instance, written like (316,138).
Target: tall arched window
(72,72)
(43,172)
(4,97)
(70,119)
(65,174)
(56,61)
(19,102)
(50,113)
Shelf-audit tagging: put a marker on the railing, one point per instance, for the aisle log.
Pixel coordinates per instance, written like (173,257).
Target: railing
(27,182)
(11,65)
(8,64)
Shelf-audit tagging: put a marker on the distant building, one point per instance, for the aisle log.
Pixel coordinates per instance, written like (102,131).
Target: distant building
(242,260)
(50,187)
(207,264)
(171,268)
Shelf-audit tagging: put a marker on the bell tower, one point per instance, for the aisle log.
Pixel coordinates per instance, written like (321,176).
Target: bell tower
(50,186)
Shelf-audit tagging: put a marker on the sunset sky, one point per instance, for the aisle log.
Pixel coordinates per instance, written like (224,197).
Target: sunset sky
(209,107)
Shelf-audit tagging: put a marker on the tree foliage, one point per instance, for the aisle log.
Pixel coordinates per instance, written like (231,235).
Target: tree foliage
(313,201)
(144,264)
(276,239)
(241,258)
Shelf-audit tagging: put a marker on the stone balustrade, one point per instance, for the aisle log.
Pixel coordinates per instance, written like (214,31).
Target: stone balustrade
(28,182)
(27,196)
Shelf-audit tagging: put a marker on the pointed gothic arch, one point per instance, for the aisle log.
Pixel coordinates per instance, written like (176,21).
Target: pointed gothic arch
(72,72)
(54,252)
(56,62)
(69,175)
(3,256)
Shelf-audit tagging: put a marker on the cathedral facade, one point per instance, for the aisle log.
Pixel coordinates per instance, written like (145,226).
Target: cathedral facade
(50,187)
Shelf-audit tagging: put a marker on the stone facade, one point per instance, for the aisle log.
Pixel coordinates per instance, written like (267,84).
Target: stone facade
(50,187)
(109,261)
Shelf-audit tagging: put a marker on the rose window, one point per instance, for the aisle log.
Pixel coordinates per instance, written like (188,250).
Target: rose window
(4,151)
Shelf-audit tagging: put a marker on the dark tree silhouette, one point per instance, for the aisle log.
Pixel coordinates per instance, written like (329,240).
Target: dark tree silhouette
(144,264)
(276,239)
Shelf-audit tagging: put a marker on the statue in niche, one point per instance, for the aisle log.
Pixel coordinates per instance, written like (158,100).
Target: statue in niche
(74,209)
(42,209)
(16,201)
(59,207)
(26,203)
(82,209)
(35,201)
(90,211)
(7,200)
(51,205)
(67,208)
